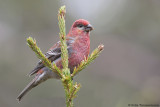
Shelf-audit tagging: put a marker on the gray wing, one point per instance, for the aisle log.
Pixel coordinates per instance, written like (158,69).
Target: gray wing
(53,54)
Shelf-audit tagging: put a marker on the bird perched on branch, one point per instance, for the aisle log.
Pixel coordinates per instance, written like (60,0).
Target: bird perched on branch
(78,45)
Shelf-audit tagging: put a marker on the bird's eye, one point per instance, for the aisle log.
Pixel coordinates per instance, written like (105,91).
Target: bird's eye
(80,25)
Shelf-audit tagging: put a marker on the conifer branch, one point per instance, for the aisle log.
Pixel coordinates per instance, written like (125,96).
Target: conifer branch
(62,34)
(66,80)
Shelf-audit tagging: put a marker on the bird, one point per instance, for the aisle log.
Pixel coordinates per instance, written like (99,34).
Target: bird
(78,46)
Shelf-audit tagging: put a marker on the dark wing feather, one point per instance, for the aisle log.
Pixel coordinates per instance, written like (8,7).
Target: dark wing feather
(53,54)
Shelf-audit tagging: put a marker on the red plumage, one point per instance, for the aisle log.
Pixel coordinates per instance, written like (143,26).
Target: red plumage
(78,45)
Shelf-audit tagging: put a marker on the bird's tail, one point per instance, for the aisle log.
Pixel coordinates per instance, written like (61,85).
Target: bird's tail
(31,85)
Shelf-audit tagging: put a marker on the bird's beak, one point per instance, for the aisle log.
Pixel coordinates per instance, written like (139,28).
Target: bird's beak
(88,28)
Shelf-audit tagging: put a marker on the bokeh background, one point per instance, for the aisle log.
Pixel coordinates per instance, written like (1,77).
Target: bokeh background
(126,72)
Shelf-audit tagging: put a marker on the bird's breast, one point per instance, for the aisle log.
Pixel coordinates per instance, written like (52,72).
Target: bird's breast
(79,51)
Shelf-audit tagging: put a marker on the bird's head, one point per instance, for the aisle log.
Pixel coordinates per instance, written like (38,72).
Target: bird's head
(81,26)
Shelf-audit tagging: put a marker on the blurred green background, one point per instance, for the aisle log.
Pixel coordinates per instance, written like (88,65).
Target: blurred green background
(127,71)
